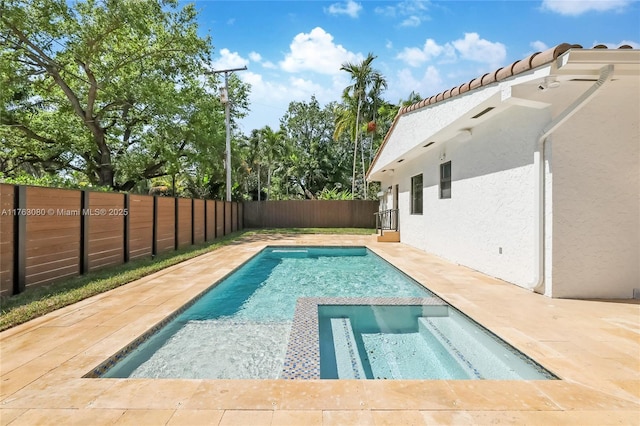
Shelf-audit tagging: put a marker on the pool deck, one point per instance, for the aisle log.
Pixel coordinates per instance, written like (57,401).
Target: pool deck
(593,346)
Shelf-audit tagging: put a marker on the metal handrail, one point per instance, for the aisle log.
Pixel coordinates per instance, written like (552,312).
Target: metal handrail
(387,220)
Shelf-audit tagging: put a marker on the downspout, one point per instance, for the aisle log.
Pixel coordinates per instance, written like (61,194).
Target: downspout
(538,285)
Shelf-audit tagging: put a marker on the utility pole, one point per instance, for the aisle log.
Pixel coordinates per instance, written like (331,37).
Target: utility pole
(224,97)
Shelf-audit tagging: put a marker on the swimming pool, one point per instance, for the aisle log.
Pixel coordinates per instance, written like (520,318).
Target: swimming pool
(241,327)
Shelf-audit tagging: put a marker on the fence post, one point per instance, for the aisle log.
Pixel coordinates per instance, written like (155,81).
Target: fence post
(176,228)
(193,221)
(154,243)
(84,232)
(206,228)
(125,245)
(19,239)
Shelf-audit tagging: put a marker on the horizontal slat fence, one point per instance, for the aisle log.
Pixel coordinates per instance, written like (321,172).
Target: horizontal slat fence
(48,233)
(7,242)
(310,214)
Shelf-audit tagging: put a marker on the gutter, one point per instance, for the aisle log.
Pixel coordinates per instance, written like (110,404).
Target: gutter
(538,284)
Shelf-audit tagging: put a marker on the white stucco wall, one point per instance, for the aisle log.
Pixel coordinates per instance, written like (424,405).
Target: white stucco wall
(492,203)
(592,189)
(413,129)
(596,197)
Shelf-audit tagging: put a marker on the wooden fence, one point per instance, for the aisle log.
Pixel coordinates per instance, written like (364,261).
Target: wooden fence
(310,214)
(47,233)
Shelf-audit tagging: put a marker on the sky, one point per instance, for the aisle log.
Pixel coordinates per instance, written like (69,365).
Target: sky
(294,49)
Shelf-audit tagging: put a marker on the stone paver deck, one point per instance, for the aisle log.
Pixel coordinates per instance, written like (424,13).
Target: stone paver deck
(593,346)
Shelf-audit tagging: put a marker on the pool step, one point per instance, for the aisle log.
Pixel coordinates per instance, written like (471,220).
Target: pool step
(451,336)
(498,363)
(348,360)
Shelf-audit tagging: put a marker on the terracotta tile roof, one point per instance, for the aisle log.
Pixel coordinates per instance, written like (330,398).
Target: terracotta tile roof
(530,62)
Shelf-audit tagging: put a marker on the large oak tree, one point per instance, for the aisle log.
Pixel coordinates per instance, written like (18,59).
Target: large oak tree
(112,89)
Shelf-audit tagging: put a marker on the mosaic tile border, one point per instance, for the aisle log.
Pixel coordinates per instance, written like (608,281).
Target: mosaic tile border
(302,360)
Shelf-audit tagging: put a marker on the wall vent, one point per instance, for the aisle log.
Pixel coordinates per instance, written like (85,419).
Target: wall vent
(483,112)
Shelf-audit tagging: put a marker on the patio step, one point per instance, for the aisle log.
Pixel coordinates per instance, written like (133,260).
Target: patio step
(389,237)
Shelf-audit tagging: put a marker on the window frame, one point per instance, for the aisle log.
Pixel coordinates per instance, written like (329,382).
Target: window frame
(445,181)
(417,205)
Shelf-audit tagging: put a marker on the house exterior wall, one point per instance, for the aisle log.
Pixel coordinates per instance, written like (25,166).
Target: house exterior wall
(412,128)
(596,197)
(488,223)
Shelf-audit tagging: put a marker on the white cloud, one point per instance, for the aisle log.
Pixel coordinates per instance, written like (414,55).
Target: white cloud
(389,44)
(411,21)
(349,8)
(473,48)
(389,11)
(413,12)
(578,7)
(412,7)
(229,60)
(539,46)
(316,52)
(415,56)
(269,64)
(255,56)
(428,84)
(304,88)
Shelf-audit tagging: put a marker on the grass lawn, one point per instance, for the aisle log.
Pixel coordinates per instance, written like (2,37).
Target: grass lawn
(42,300)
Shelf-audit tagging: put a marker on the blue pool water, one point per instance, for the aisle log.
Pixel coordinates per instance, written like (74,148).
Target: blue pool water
(414,342)
(240,328)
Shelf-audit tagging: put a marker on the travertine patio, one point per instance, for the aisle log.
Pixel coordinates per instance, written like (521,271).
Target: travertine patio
(593,346)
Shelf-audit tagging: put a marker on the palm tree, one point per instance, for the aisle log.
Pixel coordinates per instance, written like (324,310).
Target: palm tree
(378,85)
(367,84)
(272,147)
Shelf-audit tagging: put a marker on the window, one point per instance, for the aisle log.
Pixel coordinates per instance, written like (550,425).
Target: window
(445,180)
(416,194)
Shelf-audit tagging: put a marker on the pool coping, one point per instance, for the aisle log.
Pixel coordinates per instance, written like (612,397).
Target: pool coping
(592,345)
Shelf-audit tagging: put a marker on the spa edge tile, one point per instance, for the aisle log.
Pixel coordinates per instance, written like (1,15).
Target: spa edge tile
(57,394)
(296,418)
(397,417)
(573,396)
(144,417)
(501,395)
(7,415)
(65,417)
(236,394)
(347,417)
(408,394)
(246,417)
(542,418)
(146,394)
(323,394)
(182,417)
